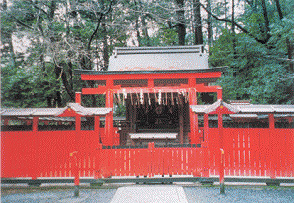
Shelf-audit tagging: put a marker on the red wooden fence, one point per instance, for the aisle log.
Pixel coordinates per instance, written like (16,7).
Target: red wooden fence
(150,161)
(253,152)
(248,152)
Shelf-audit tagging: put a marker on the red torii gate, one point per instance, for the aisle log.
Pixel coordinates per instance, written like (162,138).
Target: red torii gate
(109,88)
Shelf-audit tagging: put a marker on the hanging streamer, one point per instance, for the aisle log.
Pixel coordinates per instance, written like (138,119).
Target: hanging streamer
(131,95)
(141,97)
(159,97)
(137,99)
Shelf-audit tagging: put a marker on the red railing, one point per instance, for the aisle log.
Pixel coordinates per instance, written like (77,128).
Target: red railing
(247,152)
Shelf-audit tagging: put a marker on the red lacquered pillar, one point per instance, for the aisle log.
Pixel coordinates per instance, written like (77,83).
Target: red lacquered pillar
(109,117)
(193,118)
(79,97)
(109,120)
(219,93)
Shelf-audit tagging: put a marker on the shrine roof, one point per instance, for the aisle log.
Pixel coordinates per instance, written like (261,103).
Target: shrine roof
(145,60)
(45,112)
(158,58)
(245,108)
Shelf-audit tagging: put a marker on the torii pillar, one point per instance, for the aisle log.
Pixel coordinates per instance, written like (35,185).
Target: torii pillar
(109,132)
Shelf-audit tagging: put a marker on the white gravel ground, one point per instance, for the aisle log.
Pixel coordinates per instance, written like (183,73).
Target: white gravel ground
(196,193)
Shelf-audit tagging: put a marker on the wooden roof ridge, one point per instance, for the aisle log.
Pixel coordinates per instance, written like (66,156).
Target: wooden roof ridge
(95,72)
(221,103)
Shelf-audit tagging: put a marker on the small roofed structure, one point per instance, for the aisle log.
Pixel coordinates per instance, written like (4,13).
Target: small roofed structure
(47,119)
(49,112)
(245,112)
(245,109)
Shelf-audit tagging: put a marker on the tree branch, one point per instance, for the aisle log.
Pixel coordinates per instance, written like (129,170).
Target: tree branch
(267,28)
(249,2)
(279,9)
(95,31)
(236,24)
(21,23)
(34,5)
(98,24)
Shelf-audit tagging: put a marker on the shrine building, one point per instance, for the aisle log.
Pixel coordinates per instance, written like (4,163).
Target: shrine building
(157,86)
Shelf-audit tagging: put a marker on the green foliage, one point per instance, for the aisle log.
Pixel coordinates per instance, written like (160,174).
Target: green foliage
(23,88)
(165,37)
(257,71)
(251,72)
(58,33)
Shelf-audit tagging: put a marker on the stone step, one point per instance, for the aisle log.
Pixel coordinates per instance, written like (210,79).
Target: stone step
(150,194)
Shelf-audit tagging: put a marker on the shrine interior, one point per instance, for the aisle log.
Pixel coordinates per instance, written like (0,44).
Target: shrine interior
(164,113)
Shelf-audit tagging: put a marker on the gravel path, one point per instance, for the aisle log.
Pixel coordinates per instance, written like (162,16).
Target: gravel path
(194,194)
(240,194)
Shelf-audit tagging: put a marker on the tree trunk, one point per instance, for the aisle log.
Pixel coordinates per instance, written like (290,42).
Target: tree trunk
(279,9)
(289,44)
(226,23)
(233,29)
(266,20)
(181,26)
(145,30)
(198,23)
(209,24)
(6,39)
(138,31)
(105,46)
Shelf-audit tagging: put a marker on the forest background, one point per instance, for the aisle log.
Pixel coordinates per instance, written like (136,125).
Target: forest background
(43,41)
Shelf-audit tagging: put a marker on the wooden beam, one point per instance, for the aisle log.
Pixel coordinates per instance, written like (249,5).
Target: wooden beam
(78,98)
(150,76)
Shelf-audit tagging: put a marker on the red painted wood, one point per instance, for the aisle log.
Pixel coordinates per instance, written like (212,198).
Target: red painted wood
(193,116)
(19,151)
(151,76)
(219,93)
(109,139)
(118,89)
(78,98)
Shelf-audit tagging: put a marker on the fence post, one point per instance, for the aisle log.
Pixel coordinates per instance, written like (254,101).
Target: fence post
(272,143)
(151,157)
(221,172)
(206,146)
(34,147)
(97,170)
(78,156)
